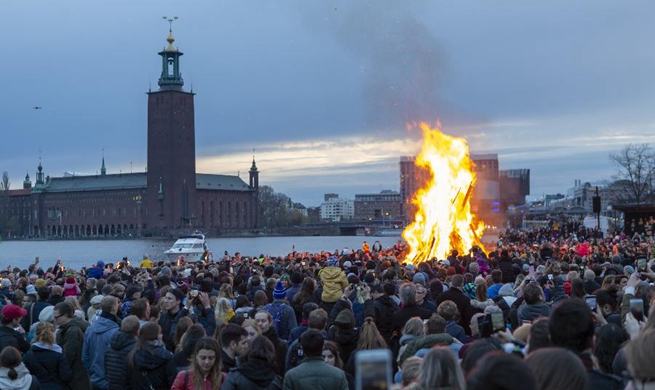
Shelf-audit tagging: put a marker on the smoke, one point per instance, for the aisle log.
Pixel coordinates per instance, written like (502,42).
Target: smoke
(401,59)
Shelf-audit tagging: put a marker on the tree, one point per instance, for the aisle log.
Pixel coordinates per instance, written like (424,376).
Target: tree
(277,209)
(636,172)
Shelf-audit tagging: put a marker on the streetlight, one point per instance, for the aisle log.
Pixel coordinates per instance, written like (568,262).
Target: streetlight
(137,199)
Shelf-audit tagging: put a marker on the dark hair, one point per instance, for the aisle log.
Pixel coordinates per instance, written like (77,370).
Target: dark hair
(10,358)
(516,373)
(539,334)
(306,291)
(148,332)
(262,349)
(577,288)
(475,351)
(260,298)
(232,332)
(312,343)
(242,301)
(436,324)
(607,297)
(317,319)
(65,309)
(307,308)
(557,369)
(532,293)
(609,340)
(497,276)
(571,325)
(334,349)
(139,308)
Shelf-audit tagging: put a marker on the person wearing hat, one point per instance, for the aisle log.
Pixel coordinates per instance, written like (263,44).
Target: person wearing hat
(97,270)
(11,333)
(284,317)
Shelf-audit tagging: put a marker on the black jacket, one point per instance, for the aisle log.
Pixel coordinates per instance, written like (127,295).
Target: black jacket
(33,312)
(403,315)
(50,367)
(10,338)
(385,307)
(71,338)
(120,346)
(152,367)
(252,375)
(463,303)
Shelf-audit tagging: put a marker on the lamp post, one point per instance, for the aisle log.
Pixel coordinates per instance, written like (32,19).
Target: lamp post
(137,200)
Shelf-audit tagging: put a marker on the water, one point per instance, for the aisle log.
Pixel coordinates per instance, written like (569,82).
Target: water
(83,253)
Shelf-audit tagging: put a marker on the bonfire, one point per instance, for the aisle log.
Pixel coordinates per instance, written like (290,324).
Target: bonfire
(443,220)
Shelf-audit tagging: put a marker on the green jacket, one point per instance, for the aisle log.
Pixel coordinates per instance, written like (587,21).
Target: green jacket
(315,374)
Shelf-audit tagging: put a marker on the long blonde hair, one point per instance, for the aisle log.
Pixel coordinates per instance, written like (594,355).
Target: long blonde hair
(224,312)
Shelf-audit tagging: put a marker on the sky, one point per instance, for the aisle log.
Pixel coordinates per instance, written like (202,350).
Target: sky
(323,90)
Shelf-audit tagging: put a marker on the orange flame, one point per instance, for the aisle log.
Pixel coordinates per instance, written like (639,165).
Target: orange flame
(443,219)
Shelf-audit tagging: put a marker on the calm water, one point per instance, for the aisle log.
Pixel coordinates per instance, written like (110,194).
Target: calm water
(77,254)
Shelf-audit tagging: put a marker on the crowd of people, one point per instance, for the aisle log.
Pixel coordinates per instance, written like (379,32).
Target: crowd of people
(543,309)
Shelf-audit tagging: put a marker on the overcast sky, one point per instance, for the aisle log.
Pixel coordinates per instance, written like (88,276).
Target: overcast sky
(322,89)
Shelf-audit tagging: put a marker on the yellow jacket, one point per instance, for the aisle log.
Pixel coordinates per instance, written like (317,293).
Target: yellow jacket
(334,282)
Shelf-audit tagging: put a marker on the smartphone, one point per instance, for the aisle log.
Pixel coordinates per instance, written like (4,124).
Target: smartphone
(373,369)
(550,276)
(497,321)
(641,264)
(591,301)
(531,272)
(637,309)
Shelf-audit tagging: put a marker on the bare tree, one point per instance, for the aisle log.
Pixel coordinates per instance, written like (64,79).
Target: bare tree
(636,172)
(4,184)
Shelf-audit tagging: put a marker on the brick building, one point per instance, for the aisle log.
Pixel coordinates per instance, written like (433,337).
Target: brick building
(169,195)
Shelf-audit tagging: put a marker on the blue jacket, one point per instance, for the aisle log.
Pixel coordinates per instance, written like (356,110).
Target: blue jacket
(96,341)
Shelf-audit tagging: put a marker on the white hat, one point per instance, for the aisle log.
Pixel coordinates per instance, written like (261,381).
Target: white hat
(31,290)
(96,299)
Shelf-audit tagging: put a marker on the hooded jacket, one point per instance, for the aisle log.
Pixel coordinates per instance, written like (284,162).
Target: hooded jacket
(49,365)
(344,333)
(25,381)
(152,367)
(252,375)
(71,338)
(120,346)
(334,282)
(96,342)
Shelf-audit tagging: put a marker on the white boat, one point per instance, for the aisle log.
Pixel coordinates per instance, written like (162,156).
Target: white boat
(192,247)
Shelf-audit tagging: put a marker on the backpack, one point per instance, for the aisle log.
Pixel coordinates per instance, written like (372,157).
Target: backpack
(295,355)
(276,312)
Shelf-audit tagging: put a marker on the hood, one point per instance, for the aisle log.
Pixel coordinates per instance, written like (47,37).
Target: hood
(153,356)
(78,322)
(23,381)
(345,319)
(102,325)
(257,371)
(121,340)
(331,273)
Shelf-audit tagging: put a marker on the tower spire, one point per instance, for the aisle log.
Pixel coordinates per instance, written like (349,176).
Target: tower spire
(171,78)
(103,170)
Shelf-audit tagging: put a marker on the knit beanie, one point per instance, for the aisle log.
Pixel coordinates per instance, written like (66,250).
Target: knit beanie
(332,261)
(279,292)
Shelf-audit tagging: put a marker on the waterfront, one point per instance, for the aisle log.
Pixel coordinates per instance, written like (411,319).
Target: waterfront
(83,253)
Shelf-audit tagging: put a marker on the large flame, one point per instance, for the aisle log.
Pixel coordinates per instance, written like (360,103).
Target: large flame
(443,220)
